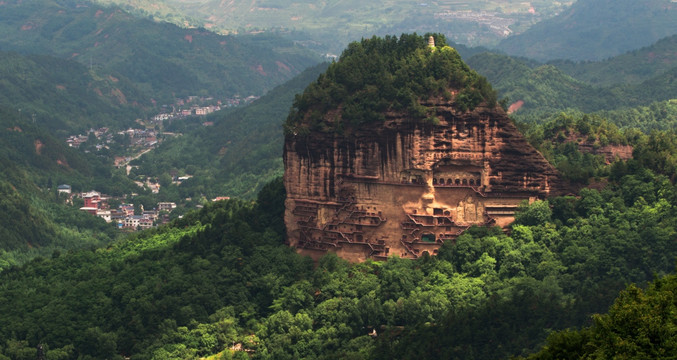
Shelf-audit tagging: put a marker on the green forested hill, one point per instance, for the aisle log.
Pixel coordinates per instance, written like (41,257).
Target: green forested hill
(64,96)
(383,75)
(545,89)
(126,66)
(165,61)
(660,115)
(223,276)
(632,67)
(235,157)
(541,87)
(35,221)
(596,30)
(46,161)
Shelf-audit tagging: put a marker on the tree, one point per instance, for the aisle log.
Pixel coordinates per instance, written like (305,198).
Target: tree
(639,325)
(164,180)
(537,213)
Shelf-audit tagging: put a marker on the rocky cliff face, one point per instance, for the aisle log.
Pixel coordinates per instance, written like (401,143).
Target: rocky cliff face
(403,187)
(610,152)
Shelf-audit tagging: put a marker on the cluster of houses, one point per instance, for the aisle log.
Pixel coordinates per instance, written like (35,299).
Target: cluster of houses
(143,138)
(180,108)
(77,140)
(193,110)
(96,204)
(228,102)
(496,21)
(147,138)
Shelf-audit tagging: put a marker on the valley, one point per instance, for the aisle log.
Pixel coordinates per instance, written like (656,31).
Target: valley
(314,24)
(127,146)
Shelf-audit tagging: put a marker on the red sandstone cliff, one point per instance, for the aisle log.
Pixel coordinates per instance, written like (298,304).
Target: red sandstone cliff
(403,187)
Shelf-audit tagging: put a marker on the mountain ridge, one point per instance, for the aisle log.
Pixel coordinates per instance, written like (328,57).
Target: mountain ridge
(595,30)
(165,60)
(546,88)
(631,67)
(64,96)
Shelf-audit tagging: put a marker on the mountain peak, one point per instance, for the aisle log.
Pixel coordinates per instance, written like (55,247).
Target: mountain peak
(391,74)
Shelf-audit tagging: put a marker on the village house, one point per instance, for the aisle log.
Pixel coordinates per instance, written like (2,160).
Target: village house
(150,214)
(153,187)
(117,215)
(166,206)
(93,201)
(120,161)
(127,209)
(75,141)
(177,180)
(206,110)
(104,214)
(137,222)
(162,117)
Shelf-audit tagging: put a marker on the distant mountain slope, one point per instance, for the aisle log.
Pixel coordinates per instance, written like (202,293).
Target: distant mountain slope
(166,60)
(540,88)
(543,89)
(238,155)
(64,96)
(331,25)
(632,67)
(595,30)
(27,149)
(658,88)
(34,219)
(659,115)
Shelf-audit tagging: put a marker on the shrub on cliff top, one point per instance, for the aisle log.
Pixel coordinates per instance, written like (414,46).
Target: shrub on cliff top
(378,75)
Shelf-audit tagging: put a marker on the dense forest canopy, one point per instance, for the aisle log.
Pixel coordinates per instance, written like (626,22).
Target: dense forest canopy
(224,276)
(640,325)
(379,75)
